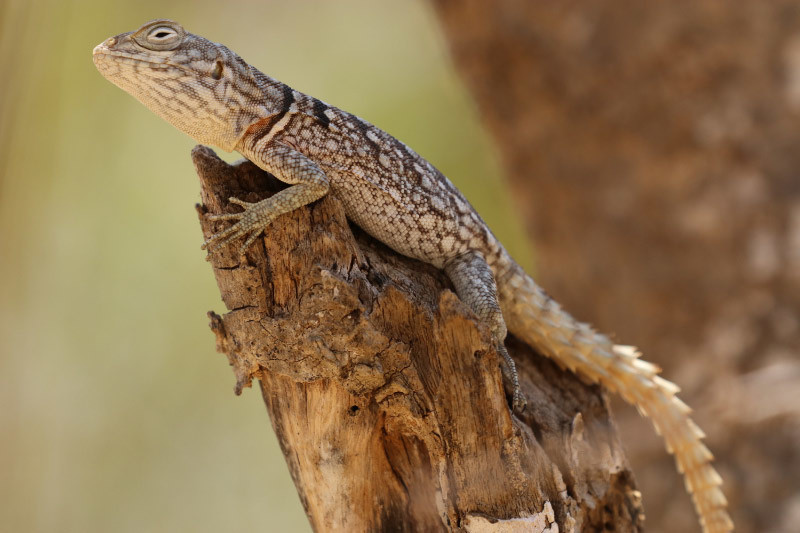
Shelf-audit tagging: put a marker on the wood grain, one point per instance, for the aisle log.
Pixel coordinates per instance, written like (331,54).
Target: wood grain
(386,394)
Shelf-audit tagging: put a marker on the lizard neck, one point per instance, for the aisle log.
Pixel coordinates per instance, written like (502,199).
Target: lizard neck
(279,105)
(277,96)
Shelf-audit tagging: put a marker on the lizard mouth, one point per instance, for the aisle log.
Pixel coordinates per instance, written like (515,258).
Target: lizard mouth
(105,59)
(101,52)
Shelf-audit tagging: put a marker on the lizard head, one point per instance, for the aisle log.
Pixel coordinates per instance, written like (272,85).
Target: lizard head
(200,87)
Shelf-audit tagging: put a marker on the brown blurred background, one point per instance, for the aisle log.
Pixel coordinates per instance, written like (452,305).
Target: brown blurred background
(654,148)
(652,151)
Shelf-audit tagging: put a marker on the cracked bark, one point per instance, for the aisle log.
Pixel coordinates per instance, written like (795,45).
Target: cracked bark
(386,395)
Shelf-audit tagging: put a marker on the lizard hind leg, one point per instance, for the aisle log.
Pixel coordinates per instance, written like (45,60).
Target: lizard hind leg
(475,286)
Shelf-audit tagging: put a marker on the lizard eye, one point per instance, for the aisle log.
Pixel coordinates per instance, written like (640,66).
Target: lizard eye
(160,35)
(217,72)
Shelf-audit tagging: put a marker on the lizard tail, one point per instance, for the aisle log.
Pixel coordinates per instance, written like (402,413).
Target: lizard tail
(538,320)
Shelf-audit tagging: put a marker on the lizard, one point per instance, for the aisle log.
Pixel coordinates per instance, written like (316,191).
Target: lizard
(210,93)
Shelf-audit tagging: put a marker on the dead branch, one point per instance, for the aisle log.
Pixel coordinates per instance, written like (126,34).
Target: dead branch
(386,395)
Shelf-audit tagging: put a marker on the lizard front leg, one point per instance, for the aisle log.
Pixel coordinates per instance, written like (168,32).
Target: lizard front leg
(475,286)
(308,181)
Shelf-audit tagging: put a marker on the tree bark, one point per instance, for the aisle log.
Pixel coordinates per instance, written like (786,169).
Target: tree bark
(386,395)
(653,148)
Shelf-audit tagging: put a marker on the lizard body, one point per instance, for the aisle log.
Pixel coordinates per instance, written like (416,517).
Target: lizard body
(210,93)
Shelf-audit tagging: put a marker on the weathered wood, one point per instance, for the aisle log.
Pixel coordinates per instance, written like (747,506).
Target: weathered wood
(386,395)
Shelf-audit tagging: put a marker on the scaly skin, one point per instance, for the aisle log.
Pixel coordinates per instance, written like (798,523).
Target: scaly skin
(210,93)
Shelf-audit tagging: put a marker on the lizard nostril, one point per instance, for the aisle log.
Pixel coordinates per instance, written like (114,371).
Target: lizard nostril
(111,42)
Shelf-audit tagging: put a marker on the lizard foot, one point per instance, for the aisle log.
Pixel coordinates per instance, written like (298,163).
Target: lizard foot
(511,380)
(250,222)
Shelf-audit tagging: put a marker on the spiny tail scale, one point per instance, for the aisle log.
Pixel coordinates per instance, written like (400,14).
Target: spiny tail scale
(539,321)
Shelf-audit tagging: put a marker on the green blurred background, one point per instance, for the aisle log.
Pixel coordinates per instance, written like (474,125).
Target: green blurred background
(116,413)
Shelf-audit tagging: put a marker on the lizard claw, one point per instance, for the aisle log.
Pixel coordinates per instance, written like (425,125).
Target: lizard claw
(519,403)
(220,238)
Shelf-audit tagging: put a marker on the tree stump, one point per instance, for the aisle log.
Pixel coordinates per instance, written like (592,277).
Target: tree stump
(385,392)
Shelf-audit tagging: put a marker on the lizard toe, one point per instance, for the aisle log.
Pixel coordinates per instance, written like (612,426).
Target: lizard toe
(224,216)
(242,203)
(249,242)
(221,237)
